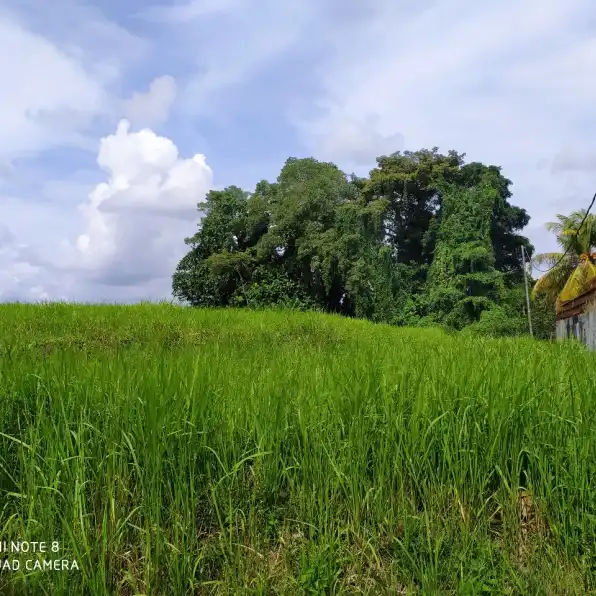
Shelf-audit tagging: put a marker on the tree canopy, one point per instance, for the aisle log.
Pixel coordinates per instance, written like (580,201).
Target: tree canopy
(425,239)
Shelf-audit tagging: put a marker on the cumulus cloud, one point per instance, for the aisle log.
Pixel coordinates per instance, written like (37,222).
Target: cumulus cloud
(134,225)
(153,107)
(136,221)
(59,91)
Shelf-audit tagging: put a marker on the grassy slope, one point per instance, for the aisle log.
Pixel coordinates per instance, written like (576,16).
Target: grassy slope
(174,451)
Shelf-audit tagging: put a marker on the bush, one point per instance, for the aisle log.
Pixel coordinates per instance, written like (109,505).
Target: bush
(499,322)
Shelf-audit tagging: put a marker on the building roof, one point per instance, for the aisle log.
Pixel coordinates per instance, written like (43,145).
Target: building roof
(579,304)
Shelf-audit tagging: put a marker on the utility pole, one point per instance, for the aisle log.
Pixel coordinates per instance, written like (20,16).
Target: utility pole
(523,253)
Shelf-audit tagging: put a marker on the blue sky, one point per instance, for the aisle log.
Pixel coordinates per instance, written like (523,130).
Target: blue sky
(218,92)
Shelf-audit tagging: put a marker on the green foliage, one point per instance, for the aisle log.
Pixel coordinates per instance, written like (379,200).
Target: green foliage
(410,182)
(505,222)
(218,262)
(424,240)
(543,317)
(273,287)
(510,318)
(499,321)
(463,281)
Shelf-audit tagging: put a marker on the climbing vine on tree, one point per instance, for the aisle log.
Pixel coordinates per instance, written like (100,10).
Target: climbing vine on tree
(463,281)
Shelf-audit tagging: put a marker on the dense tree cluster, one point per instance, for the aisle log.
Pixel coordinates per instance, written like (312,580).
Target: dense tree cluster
(425,239)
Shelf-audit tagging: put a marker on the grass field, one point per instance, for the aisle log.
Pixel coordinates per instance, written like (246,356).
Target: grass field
(173,451)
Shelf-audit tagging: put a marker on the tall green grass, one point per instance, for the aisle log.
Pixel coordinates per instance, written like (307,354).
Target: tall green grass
(174,451)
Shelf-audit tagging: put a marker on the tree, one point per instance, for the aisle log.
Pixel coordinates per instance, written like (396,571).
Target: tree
(463,281)
(310,233)
(506,220)
(409,182)
(576,248)
(412,184)
(217,262)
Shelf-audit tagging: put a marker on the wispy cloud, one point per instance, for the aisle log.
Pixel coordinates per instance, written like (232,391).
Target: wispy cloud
(183,12)
(227,42)
(42,86)
(153,107)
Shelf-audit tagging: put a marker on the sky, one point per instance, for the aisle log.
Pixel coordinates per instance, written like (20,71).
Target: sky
(116,118)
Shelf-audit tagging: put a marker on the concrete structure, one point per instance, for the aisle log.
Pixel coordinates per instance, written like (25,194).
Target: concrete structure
(577,319)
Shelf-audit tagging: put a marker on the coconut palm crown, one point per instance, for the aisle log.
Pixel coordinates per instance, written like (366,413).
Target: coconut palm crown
(577,247)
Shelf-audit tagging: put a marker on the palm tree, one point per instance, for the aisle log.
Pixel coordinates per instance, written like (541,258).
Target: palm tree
(564,272)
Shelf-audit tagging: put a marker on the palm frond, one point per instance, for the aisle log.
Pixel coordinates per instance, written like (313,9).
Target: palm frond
(552,282)
(546,258)
(553,226)
(579,281)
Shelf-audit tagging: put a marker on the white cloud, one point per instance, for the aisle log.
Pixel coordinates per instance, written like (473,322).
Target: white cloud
(453,73)
(48,96)
(134,223)
(134,227)
(137,220)
(351,141)
(18,279)
(59,65)
(153,107)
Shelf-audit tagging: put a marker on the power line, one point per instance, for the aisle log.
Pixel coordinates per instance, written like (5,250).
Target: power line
(577,232)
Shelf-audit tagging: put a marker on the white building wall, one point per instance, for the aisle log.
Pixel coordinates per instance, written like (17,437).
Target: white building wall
(581,327)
